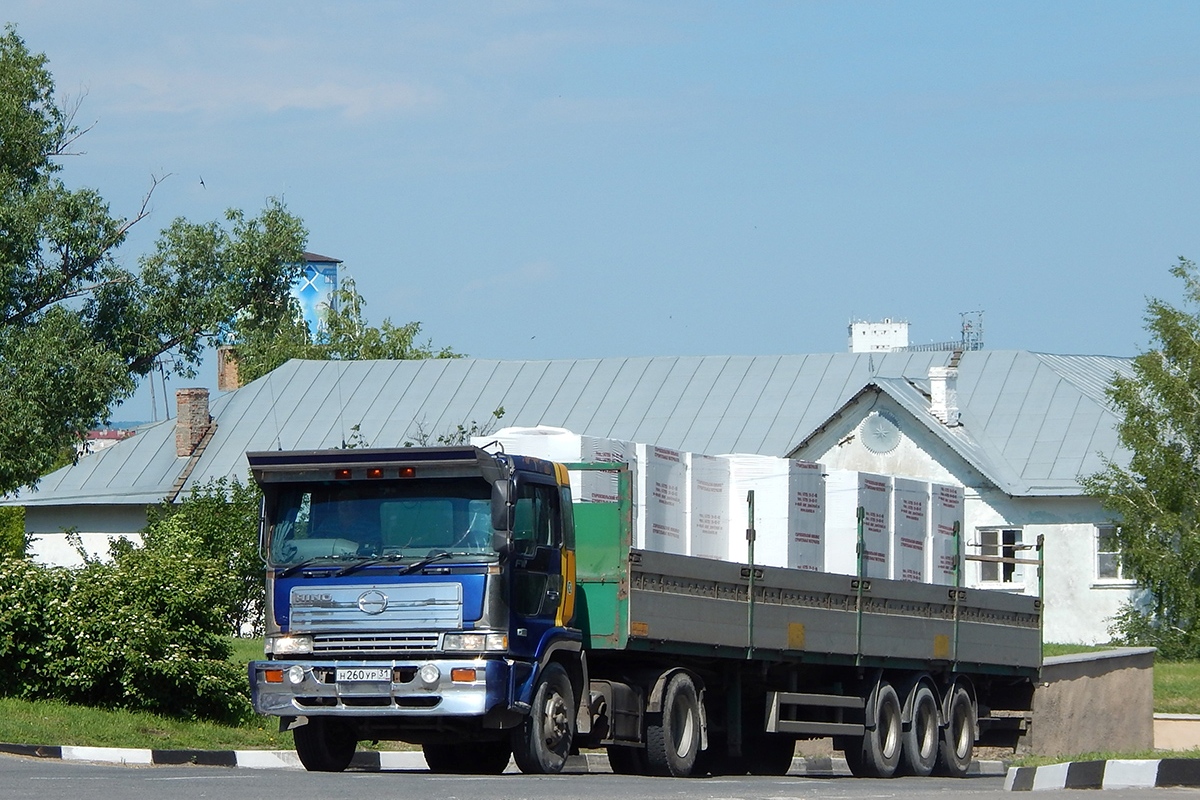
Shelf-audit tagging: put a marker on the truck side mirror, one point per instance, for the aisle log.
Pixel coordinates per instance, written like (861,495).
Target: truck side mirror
(502,516)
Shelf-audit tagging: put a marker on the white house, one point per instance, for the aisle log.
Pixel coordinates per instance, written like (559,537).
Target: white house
(1015,428)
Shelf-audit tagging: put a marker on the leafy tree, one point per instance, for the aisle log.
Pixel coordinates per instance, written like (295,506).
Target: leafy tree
(77,330)
(1156,497)
(13,542)
(346,336)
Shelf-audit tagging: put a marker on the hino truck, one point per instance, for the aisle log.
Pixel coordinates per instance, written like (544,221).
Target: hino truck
(458,599)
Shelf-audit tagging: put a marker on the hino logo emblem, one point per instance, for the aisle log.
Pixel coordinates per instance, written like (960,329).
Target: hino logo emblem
(372,602)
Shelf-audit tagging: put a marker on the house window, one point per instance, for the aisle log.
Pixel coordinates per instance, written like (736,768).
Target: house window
(999,543)
(1108,554)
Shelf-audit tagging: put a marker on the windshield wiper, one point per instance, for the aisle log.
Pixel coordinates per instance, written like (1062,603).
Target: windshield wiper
(425,562)
(305,564)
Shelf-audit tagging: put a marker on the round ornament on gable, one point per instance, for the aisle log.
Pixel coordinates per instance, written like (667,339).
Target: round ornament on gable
(880,432)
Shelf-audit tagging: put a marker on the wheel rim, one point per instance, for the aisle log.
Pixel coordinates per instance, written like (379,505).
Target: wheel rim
(962,725)
(927,737)
(555,724)
(890,739)
(925,720)
(683,724)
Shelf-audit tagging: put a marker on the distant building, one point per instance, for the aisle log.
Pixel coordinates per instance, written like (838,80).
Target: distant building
(101,438)
(878,337)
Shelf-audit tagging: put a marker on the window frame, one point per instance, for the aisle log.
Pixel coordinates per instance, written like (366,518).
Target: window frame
(1098,536)
(1005,574)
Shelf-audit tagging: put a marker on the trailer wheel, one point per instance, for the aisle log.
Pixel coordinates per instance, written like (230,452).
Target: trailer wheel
(958,737)
(673,740)
(628,760)
(921,740)
(477,758)
(542,743)
(877,754)
(324,744)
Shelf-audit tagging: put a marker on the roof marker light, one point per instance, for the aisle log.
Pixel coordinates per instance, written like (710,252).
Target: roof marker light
(408,472)
(375,472)
(342,474)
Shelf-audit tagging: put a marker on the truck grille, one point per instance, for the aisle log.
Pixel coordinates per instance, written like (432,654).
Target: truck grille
(338,644)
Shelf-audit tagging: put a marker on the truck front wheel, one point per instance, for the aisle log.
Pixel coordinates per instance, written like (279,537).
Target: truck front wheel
(673,741)
(542,743)
(325,744)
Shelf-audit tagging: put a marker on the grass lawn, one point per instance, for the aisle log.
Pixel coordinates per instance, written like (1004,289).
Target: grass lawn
(1177,687)
(54,723)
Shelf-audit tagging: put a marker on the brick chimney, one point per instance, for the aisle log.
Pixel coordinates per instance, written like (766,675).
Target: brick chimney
(227,369)
(943,395)
(191,419)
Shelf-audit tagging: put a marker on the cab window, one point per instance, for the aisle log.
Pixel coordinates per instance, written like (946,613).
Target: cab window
(536,519)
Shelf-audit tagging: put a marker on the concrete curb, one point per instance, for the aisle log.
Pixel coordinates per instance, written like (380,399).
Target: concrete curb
(1112,774)
(377,761)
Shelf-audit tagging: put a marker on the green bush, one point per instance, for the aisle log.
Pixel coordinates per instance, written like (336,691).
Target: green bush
(12,532)
(148,630)
(1134,626)
(218,521)
(32,601)
(147,633)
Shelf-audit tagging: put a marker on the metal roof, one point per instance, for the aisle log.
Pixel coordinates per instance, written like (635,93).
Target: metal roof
(1031,422)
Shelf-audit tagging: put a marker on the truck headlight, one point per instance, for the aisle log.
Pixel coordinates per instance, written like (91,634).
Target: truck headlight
(474,642)
(289,645)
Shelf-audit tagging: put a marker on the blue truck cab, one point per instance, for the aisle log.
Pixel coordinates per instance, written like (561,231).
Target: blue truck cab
(424,595)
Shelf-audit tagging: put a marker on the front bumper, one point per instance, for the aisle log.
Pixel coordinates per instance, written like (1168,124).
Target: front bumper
(406,694)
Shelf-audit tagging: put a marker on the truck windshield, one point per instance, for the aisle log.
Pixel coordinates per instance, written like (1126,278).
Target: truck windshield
(345,521)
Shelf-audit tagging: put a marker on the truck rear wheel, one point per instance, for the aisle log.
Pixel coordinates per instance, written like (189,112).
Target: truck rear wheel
(673,741)
(541,745)
(474,758)
(958,737)
(877,754)
(921,740)
(324,744)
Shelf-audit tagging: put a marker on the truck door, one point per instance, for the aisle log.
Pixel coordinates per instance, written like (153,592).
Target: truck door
(538,590)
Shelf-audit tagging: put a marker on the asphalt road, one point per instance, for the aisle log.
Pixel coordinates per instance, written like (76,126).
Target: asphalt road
(51,779)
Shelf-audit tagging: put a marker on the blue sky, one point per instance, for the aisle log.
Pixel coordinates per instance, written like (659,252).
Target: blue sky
(538,180)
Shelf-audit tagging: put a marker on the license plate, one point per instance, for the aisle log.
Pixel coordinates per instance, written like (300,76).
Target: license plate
(364,674)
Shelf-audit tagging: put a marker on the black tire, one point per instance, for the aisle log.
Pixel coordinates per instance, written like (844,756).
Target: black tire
(325,744)
(922,740)
(477,758)
(958,736)
(673,737)
(542,743)
(628,760)
(770,754)
(877,754)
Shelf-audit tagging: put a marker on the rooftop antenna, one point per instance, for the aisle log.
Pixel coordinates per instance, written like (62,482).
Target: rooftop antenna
(972,330)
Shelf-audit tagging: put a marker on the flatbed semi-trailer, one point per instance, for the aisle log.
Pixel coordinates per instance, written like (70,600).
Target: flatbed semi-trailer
(550,632)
